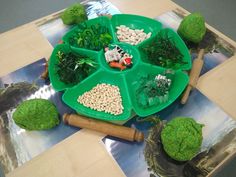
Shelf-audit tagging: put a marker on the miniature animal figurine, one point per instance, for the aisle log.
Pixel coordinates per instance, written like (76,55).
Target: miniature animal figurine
(111,55)
(118,65)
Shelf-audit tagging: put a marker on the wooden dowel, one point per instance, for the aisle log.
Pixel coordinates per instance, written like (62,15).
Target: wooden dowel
(44,75)
(194,75)
(196,69)
(186,94)
(118,131)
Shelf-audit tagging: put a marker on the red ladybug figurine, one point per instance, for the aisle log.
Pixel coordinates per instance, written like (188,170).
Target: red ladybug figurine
(128,62)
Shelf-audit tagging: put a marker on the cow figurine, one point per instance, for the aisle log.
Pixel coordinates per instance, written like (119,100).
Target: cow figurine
(118,58)
(112,55)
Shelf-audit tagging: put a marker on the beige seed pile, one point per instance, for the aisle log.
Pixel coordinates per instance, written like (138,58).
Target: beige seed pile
(103,97)
(131,36)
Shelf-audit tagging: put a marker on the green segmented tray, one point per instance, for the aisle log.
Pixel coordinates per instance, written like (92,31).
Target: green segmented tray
(126,79)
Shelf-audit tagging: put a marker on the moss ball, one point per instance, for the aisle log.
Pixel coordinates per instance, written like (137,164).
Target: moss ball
(74,14)
(182,138)
(36,114)
(192,28)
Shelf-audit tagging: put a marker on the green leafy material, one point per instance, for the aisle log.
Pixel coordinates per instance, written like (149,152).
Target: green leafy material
(94,37)
(74,14)
(182,138)
(36,114)
(163,52)
(149,93)
(192,28)
(73,68)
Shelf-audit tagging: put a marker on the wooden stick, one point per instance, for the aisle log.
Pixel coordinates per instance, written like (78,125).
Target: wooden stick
(118,131)
(194,75)
(44,75)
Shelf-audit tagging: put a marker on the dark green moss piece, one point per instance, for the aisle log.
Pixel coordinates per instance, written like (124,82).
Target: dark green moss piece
(73,68)
(36,114)
(162,51)
(182,138)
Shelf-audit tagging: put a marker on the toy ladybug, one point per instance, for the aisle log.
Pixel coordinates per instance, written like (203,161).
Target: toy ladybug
(128,62)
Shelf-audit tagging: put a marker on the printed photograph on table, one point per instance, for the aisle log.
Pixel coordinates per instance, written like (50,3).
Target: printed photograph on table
(17,141)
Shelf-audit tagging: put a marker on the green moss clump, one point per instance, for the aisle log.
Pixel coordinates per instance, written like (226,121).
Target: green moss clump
(182,138)
(36,114)
(74,14)
(192,28)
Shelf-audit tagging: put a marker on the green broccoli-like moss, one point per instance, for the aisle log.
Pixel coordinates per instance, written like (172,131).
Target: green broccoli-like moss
(192,28)
(36,114)
(182,138)
(74,14)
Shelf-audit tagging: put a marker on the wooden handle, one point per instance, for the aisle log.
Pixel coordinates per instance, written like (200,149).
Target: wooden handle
(196,69)
(194,75)
(119,131)
(44,75)
(186,94)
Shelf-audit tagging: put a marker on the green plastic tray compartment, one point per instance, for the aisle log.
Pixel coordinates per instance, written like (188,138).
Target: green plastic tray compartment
(71,95)
(131,50)
(104,21)
(179,43)
(57,84)
(179,82)
(136,22)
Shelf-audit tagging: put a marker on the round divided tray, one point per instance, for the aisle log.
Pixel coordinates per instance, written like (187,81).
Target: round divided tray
(126,79)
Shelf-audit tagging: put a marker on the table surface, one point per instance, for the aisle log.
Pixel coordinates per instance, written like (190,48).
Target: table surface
(83,154)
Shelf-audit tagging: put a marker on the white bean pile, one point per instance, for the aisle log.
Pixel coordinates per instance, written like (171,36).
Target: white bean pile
(103,97)
(131,36)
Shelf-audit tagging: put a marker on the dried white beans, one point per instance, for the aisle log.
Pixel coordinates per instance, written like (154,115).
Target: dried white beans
(103,97)
(131,36)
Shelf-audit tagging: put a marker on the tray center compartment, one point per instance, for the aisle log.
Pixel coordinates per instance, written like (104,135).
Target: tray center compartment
(120,57)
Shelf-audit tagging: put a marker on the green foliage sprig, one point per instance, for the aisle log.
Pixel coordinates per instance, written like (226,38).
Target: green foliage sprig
(73,68)
(151,91)
(163,52)
(94,37)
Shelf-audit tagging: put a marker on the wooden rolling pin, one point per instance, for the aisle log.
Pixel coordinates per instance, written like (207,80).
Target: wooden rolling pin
(118,131)
(194,75)
(44,75)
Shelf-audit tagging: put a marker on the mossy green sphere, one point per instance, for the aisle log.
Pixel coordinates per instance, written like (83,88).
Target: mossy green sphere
(74,14)
(36,114)
(192,28)
(182,138)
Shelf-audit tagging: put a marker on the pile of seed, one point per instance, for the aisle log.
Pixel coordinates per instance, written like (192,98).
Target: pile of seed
(103,97)
(131,36)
